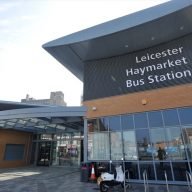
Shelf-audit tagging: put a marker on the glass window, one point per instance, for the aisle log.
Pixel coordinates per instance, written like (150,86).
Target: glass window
(148,167)
(170,117)
(145,149)
(116,146)
(155,119)
(114,123)
(129,143)
(103,124)
(175,146)
(127,122)
(92,125)
(46,136)
(179,169)
(98,146)
(44,150)
(132,168)
(14,152)
(158,142)
(187,134)
(140,120)
(161,167)
(185,116)
(50,129)
(36,136)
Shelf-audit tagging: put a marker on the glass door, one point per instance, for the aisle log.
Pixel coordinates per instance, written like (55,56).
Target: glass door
(44,153)
(67,150)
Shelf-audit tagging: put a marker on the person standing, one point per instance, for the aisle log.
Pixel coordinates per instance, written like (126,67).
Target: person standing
(161,156)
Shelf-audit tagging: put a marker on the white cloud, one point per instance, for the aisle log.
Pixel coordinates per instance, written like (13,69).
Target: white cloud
(5,6)
(5,22)
(27,17)
(24,66)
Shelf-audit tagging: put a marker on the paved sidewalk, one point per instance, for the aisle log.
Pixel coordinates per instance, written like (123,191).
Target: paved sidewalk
(43,179)
(59,179)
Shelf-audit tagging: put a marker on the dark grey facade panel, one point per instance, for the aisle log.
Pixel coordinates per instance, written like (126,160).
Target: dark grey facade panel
(166,65)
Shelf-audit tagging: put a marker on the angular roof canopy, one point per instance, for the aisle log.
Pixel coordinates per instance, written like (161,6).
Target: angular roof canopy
(41,119)
(126,34)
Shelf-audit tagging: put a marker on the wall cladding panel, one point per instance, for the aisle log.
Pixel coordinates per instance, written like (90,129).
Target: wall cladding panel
(177,96)
(14,137)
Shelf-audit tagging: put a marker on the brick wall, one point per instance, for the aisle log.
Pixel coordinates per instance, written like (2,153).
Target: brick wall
(177,96)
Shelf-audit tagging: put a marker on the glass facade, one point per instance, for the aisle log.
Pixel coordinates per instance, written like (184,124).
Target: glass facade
(155,141)
(61,149)
(67,149)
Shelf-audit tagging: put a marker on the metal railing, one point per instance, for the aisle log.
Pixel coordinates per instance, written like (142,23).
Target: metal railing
(145,181)
(189,181)
(167,185)
(126,181)
(128,176)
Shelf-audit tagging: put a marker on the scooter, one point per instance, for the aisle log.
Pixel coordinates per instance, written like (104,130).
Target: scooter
(108,180)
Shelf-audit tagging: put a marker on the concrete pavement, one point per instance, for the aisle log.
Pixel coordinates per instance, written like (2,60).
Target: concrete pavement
(59,179)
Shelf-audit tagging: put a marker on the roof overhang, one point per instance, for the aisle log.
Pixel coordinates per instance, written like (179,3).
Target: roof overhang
(127,34)
(41,119)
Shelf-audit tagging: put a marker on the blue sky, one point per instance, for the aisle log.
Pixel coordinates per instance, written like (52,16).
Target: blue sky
(25,25)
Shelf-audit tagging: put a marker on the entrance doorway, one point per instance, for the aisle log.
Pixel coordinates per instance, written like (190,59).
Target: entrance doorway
(44,153)
(61,149)
(67,150)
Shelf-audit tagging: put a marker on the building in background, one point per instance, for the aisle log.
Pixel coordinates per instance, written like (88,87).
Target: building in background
(56,98)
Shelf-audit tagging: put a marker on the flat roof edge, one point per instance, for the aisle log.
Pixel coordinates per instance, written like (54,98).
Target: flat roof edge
(43,112)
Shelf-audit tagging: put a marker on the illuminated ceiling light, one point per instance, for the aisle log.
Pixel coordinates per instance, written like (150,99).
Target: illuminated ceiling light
(126,46)
(152,38)
(94,108)
(181,28)
(144,101)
